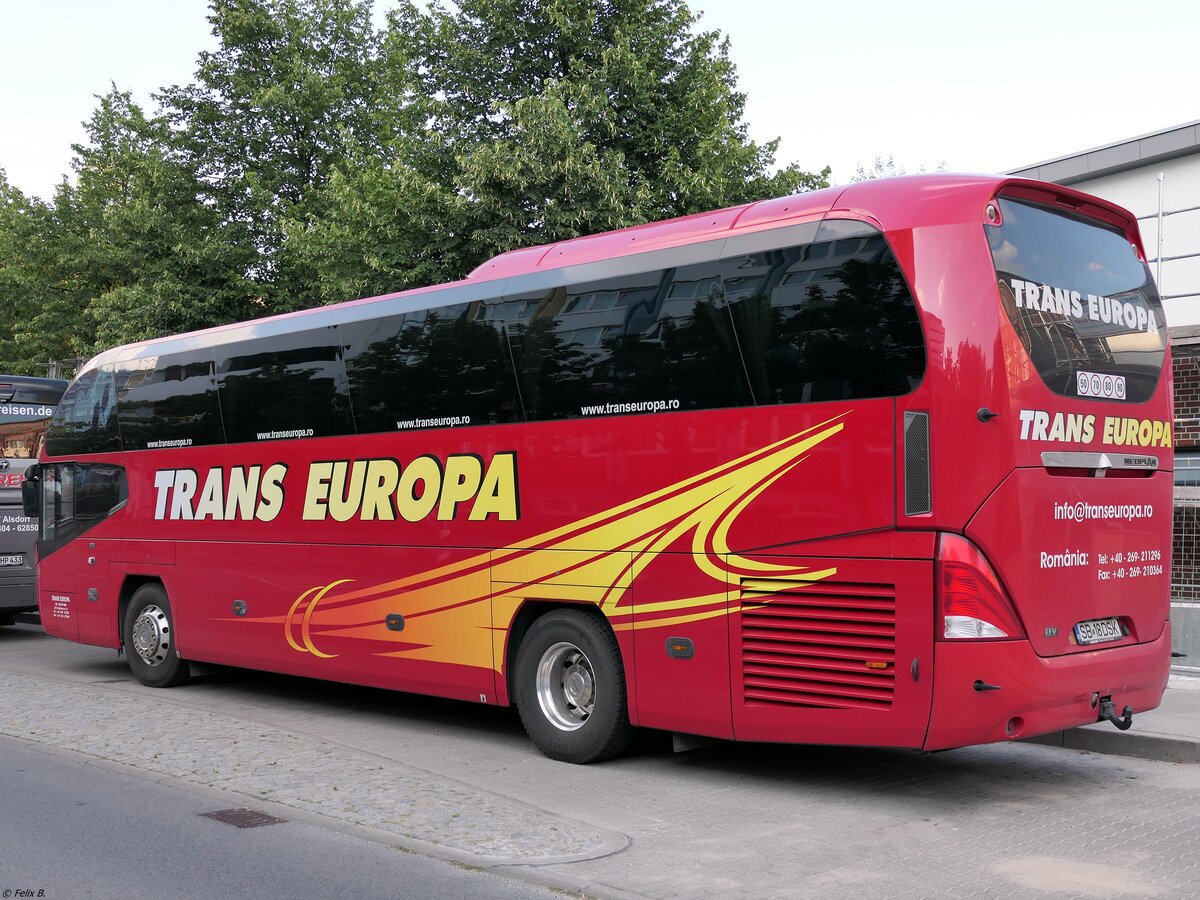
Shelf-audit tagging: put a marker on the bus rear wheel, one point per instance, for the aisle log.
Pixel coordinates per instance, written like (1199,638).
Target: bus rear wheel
(149,633)
(570,688)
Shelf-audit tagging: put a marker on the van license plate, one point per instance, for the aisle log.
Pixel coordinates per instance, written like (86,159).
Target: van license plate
(12,560)
(1098,631)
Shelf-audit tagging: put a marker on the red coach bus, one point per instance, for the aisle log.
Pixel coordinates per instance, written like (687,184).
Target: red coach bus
(886,464)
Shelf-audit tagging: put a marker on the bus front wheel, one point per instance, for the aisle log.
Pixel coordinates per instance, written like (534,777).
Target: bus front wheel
(570,688)
(149,634)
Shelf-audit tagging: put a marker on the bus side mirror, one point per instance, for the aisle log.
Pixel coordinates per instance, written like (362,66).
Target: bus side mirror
(29,490)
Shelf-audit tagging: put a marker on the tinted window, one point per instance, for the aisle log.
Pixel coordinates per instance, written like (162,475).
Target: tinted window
(1080,302)
(284,386)
(649,342)
(170,401)
(831,320)
(430,368)
(554,352)
(679,345)
(75,498)
(86,418)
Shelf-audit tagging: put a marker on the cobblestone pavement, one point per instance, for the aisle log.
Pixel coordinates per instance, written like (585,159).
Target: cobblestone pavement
(297,771)
(1014,820)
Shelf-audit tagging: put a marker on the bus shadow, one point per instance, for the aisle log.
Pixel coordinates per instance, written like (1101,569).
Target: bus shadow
(969,777)
(949,779)
(20,632)
(282,694)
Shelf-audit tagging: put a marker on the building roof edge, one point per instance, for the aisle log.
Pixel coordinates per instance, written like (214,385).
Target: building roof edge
(1119,156)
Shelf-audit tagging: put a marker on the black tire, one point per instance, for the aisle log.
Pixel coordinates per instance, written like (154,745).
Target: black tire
(570,688)
(149,635)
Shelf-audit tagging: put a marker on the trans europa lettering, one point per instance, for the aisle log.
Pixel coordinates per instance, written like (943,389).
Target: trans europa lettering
(369,490)
(1075,428)
(1072,304)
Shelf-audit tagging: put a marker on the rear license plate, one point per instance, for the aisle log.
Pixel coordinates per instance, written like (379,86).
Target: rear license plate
(12,560)
(1098,631)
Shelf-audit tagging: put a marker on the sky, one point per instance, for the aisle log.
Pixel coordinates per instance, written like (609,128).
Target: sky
(973,87)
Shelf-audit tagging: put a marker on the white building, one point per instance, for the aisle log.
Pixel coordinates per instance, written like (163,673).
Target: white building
(1156,177)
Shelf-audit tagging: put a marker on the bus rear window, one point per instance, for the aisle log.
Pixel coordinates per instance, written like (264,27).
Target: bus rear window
(1080,301)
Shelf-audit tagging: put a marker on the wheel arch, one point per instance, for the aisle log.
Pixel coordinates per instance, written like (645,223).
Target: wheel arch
(528,613)
(584,716)
(129,587)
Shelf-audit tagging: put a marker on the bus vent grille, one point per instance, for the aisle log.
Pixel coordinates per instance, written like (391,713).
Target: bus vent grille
(917,499)
(818,644)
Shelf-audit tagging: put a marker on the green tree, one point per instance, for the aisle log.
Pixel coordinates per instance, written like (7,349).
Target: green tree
(131,251)
(529,121)
(150,256)
(316,159)
(885,169)
(292,83)
(37,293)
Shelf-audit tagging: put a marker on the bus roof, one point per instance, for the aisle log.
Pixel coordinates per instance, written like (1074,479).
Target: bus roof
(31,389)
(888,203)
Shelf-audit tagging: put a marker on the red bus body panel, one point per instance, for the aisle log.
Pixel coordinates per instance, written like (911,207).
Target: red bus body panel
(1038,694)
(774,539)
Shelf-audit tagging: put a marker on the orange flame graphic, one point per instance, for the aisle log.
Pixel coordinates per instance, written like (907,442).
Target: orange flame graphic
(594,560)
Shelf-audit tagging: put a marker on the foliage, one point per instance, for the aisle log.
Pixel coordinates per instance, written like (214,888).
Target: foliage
(36,294)
(885,169)
(129,252)
(539,120)
(316,158)
(269,115)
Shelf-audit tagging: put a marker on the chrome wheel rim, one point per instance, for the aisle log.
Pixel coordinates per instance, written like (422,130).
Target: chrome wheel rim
(152,635)
(566,686)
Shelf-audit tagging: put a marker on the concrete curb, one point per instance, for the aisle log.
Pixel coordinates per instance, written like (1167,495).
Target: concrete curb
(1096,739)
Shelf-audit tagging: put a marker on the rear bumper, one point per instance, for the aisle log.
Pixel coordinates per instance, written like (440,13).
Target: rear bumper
(1037,695)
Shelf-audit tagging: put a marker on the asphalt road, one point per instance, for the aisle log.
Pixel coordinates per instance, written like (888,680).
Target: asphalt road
(71,828)
(462,782)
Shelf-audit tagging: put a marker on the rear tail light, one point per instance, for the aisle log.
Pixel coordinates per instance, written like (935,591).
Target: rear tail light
(972,602)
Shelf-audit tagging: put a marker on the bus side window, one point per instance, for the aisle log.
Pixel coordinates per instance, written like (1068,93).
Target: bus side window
(284,386)
(646,342)
(447,365)
(86,418)
(171,399)
(830,320)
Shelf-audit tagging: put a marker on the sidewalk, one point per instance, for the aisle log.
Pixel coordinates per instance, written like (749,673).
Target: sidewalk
(1170,733)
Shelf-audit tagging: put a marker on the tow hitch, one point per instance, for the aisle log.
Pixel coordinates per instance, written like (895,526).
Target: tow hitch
(1107,714)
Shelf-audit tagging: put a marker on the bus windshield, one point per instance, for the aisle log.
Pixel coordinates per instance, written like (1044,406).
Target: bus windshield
(22,428)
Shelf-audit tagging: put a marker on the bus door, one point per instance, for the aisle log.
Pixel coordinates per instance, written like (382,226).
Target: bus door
(76,502)
(96,602)
(839,655)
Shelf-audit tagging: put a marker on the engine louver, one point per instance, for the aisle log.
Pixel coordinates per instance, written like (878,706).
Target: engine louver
(818,643)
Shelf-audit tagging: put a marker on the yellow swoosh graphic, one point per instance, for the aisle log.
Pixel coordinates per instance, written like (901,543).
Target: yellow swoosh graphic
(460,613)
